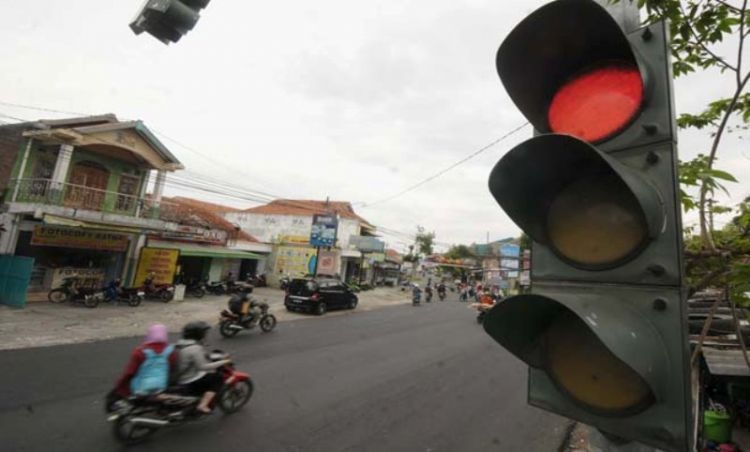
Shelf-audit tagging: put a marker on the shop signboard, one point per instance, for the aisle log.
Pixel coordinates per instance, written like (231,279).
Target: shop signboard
(294,261)
(525,279)
(366,244)
(323,232)
(85,277)
(294,239)
(79,238)
(161,261)
(509,265)
(376,257)
(194,235)
(509,250)
(327,264)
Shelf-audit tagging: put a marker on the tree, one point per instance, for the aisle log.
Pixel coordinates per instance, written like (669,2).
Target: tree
(697,27)
(424,241)
(459,252)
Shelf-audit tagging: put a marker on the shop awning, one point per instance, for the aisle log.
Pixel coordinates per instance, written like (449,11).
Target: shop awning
(207,251)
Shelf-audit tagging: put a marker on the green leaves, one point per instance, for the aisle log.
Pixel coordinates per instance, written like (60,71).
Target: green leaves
(695,173)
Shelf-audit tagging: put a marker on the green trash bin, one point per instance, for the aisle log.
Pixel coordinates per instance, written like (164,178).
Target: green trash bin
(717,426)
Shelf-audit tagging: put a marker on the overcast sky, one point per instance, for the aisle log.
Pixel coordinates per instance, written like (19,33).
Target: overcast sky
(340,98)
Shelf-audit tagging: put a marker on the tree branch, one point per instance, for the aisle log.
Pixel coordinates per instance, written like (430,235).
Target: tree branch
(732,7)
(700,43)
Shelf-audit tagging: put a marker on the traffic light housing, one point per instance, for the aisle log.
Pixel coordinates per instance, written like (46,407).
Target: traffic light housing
(167,20)
(604,327)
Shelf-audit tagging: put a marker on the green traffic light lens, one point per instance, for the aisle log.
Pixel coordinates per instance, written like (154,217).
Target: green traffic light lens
(587,371)
(596,222)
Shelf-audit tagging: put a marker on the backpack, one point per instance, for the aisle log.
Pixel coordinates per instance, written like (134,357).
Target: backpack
(153,374)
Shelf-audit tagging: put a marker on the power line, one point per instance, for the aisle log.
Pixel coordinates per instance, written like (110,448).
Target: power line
(51,110)
(445,170)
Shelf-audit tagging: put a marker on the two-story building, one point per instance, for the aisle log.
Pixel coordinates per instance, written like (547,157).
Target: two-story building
(286,225)
(74,195)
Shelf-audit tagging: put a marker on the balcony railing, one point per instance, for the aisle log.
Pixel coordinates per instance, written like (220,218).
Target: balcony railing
(46,191)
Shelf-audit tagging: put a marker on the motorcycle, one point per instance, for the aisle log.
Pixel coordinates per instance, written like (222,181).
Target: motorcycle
(69,291)
(441,292)
(428,294)
(284,282)
(159,292)
(258,280)
(416,297)
(231,323)
(196,289)
(136,418)
(130,295)
(216,287)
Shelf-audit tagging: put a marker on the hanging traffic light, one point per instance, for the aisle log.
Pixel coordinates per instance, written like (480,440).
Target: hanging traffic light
(168,20)
(603,330)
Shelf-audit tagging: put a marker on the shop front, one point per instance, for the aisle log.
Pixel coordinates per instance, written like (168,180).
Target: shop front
(201,262)
(93,256)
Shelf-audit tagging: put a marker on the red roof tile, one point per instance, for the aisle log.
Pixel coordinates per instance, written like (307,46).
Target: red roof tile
(193,212)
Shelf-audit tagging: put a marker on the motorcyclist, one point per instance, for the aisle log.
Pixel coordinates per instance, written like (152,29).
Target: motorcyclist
(155,344)
(441,288)
(196,373)
(240,303)
(428,293)
(112,290)
(148,283)
(416,292)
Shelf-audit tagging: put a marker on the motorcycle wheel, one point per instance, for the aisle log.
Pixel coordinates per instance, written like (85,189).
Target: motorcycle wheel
(134,300)
(57,296)
(199,292)
(232,398)
(166,296)
(226,331)
(91,302)
(267,323)
(130,434)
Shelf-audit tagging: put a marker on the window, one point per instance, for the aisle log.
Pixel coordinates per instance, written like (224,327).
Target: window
(127,192)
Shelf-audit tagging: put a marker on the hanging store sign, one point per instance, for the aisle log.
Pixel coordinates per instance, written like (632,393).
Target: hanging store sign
(367,244)
(78,238)
(323,232)
(162,262)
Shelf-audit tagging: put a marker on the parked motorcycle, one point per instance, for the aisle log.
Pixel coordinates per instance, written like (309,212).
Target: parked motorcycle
(231,323)
(196,289)
(159,292)
(137,418)
(258,280)
(70,292)
(133,296)
(216,287)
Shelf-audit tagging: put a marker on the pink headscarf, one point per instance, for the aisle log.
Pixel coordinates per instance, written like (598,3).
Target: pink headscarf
(156,333)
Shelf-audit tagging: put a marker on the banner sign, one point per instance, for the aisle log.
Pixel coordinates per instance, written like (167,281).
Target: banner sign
(194,235)
(327,264)
(510,250)
(367,244)
(79,238)
(294,261)
(323,232)
(161,261)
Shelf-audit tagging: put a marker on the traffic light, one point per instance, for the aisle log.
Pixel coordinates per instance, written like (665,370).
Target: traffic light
(604,327)
(167,20)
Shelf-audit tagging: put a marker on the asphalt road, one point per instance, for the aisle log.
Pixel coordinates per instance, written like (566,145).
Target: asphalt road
(396,379)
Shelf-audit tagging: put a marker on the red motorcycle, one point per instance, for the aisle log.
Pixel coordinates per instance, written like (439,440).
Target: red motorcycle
(159,292)
(136,418)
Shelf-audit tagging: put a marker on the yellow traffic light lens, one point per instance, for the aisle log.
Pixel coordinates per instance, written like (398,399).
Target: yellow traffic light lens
(596,221)
(584,368)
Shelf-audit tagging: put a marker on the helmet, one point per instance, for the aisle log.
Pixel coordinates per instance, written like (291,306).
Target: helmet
(195,330)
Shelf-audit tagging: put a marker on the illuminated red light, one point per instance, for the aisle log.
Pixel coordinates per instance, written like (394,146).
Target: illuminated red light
(597,103)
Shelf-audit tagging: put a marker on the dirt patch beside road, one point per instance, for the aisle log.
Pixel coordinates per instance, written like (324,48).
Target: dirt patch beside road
(43,323)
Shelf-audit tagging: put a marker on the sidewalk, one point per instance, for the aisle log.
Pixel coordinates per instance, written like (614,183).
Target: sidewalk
(43,323)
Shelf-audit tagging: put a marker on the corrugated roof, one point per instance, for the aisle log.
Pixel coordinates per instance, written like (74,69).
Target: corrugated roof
(193,212)
(306,208)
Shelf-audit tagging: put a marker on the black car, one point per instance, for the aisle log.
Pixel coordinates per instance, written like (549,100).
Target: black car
(318,295)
